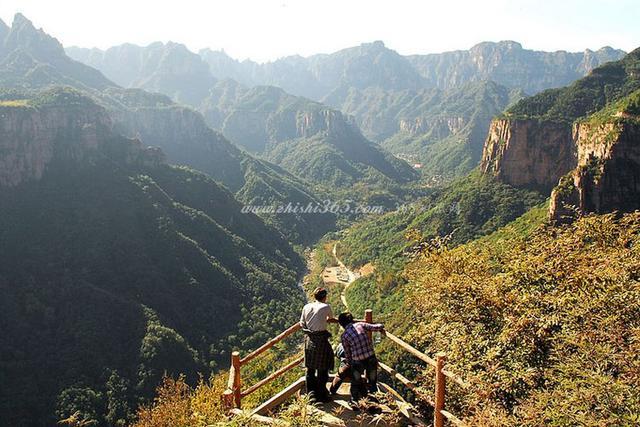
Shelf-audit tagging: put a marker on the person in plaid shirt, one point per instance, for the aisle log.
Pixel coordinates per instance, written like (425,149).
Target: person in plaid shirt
(359,354)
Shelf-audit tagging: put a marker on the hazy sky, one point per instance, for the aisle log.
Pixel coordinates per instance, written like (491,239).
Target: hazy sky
(267,29)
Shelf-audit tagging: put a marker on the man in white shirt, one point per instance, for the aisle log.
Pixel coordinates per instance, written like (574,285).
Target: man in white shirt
(318,354)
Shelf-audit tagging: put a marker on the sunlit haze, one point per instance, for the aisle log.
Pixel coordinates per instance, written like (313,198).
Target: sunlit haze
(268,29)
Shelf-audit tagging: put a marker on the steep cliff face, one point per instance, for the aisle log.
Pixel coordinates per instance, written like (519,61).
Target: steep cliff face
(590,125)
(4,30)
(306,138)
(440,127)
(32,137)
(528,153)
(30,57)
(509,64)
(182,134)
(607,176)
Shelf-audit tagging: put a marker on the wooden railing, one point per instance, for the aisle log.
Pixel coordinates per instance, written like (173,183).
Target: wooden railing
(232,396)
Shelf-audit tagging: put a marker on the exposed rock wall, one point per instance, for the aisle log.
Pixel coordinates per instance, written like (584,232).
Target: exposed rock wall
(440,127)
(607,176)
(257,131)
(528,153)
(31,138)
(183,135)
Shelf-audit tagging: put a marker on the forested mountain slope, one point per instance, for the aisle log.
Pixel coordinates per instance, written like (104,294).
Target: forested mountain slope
(544,324)
(428,109)
(305,137)
(443,131)
(32,59)
(118,267)
(533,144)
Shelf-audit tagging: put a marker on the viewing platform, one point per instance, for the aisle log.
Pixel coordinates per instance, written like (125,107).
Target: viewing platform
(338,411)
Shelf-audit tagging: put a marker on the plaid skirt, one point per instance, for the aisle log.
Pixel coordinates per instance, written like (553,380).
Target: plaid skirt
(318,353)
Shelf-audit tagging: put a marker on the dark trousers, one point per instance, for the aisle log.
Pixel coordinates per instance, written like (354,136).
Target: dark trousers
(369,367)
(317,382)
(344,373)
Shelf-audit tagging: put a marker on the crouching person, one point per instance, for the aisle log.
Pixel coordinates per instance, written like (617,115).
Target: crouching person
(359,354)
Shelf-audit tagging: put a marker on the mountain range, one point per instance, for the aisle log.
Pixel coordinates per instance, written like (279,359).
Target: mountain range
(327,77)
(108,247)
(431,110)
(29,58)
(125,176)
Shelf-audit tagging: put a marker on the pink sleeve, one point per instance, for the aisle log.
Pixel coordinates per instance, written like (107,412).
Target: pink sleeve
(373,326)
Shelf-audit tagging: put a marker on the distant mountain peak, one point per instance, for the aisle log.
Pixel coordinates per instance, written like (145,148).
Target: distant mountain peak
(20,20)
(23,34)
(4,30)
(376,43)
(503,44)
(375,46)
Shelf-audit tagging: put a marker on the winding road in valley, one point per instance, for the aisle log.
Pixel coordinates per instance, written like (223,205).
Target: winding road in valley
(352,276)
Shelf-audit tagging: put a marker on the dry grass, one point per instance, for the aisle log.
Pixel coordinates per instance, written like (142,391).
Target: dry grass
(15,103)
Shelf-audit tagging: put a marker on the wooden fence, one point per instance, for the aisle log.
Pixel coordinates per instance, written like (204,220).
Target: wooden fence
(232,396)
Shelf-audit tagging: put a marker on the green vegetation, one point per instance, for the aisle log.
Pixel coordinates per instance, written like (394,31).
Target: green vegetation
(156,262)
(625,110)
(545,327)
(444,131)
(467,209)
(541,320)
(304,137)
(604,85)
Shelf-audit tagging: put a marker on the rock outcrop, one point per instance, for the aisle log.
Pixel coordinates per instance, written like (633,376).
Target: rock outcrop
(33,137)
(607,176)
(182,134)
(438,127)
(509,64)
(4,30)
(528,153)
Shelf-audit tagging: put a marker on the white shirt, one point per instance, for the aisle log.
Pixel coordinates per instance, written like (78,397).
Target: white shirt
(314,316)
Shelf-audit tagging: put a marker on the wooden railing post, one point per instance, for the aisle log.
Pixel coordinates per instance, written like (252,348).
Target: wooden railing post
(368,317)
(235,366)
(438,416)
(227,399)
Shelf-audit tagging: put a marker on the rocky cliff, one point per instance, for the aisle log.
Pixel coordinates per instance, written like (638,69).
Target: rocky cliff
(440,127)
(534,144)
(32,136)
(305,137)
(607,176)
(528,153)
(30,57)
(509,64)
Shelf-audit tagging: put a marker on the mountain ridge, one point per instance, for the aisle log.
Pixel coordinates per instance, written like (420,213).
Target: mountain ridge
(31,64)
(119,264)
(532,145)
(349,79)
